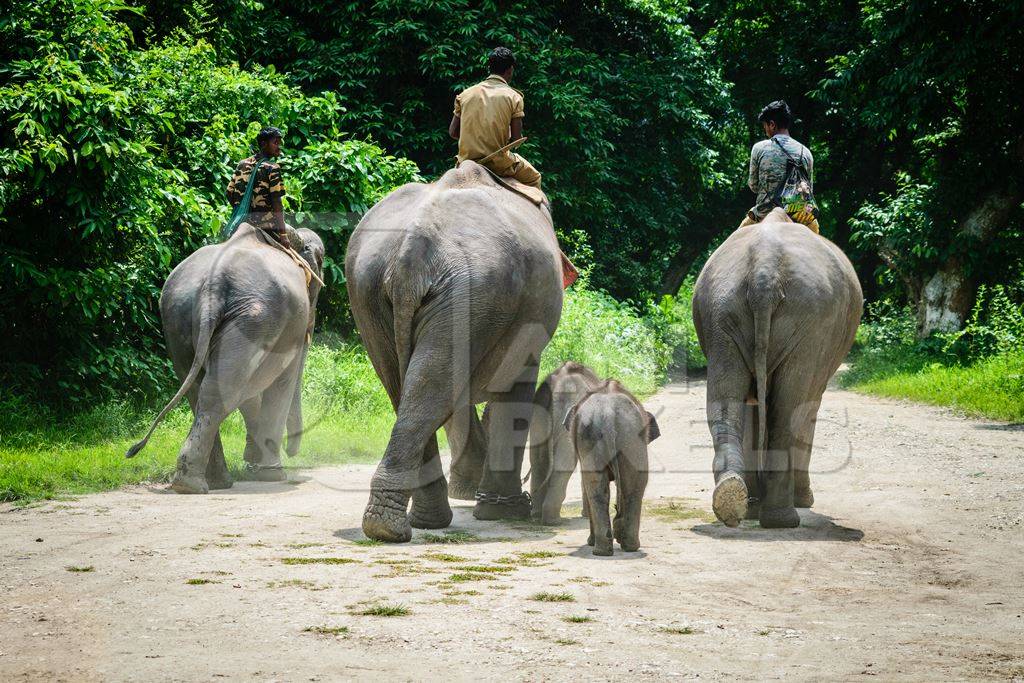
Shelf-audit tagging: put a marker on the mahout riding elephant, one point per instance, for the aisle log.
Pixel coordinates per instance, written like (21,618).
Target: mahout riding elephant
(552,456)
(776,308)
(456,288)
(609,431)
(237,319)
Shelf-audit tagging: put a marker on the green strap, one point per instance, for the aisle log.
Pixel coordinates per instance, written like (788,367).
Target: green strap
(242,210)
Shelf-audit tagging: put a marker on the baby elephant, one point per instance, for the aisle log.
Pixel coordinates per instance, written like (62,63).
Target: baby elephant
(552,456)
(610,431)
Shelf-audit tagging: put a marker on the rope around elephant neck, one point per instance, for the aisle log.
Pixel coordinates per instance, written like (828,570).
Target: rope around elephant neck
(299,261)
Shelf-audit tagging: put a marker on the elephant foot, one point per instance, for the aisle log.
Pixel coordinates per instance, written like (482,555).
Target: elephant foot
(730,500)
(803,498)
(551,519)
(630,546)
(430,508)
(265,473)
(385,518)
(461,489)
(779,518)
(492,506)
(753,508)
(187,483)
(603,550)
(220,484)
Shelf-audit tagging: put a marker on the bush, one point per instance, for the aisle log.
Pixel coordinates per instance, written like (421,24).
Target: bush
(609,337)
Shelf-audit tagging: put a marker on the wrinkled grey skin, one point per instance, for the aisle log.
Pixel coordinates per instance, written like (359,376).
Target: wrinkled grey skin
(236,319)
(776,308)
(455,289)
(552,456)
(610,430)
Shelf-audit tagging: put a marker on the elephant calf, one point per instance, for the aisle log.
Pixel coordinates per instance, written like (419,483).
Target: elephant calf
(610,430)
(552,456)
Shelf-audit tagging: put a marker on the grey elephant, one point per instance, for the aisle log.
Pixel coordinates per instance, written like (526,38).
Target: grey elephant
(610,431)
(456,289)
(552,456)
(776,308)
(237,319)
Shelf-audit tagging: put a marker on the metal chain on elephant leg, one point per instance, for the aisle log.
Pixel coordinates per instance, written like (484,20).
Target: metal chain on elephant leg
(498,499)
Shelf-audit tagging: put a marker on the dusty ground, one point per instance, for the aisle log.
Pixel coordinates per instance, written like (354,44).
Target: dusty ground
(910,567)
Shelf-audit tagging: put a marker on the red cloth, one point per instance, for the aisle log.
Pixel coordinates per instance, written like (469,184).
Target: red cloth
(569,272)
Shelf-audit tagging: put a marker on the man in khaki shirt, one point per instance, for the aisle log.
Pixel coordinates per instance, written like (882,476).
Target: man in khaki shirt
(488,116)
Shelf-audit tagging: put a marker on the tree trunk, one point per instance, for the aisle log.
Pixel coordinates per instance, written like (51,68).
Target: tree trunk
(946,299)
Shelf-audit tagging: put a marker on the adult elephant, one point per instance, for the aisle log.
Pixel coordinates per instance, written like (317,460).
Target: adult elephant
(237,319)
(456,289)
(776,308)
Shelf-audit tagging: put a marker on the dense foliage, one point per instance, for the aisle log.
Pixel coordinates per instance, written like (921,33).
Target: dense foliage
(119,127)
(114,164)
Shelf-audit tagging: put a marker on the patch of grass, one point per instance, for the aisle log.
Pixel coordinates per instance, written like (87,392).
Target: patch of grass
(318,560)
(87,568)
(537,554)
(326,630)
(296,583)
(46,454)
(545,596)
(367,542)
(386,610)
(588,580)
(485,568)
(301,546)
(467,592)
(199,582)
(566,641)
(451,537)
(462,577)
(678,630)
(764,632)
(578,619)
(445,557)
(230,535)
(446,600)
(992,387)
(677,509)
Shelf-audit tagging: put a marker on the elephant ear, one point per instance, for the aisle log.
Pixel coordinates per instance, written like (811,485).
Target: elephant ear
(653,431)
(569,417)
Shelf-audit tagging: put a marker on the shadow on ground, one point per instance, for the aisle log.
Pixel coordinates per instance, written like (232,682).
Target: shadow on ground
(813,527)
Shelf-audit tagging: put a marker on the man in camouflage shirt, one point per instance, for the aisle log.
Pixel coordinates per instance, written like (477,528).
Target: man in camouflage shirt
(768,161)
(265,210)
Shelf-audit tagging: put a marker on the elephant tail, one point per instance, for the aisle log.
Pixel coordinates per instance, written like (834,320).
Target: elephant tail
(406,289)
(763,298)
(207,325)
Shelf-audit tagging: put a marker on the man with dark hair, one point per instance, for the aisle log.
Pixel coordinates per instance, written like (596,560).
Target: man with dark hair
(768,161)
(265,209)
(488,116)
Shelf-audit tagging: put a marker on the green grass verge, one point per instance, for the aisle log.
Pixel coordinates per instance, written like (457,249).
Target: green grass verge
(992,387)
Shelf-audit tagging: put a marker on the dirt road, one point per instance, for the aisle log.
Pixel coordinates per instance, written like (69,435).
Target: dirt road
(910,567)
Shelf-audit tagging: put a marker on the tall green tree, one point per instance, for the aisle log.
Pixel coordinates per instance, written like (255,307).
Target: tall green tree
(626,117)
(941,82)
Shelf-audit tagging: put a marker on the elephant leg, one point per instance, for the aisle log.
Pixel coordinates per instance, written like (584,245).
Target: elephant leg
(501,495)
(469,450)
(426,403)
(585,506)
(217,475)
(728,386)
(790,416)
(275,404)
(295,424)
(430,508)
(562,466)
(630,484)
(596,485)
(250,410)
(803,496)
(194,456)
